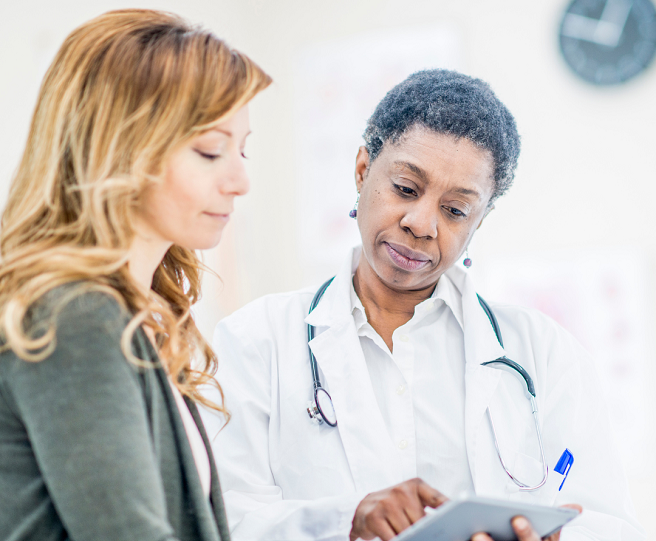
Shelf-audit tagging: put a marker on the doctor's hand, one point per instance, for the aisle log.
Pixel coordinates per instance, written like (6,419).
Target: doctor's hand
(525,531)
(388,512)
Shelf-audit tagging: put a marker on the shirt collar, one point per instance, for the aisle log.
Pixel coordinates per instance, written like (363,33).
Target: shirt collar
(445,290)
(481,343)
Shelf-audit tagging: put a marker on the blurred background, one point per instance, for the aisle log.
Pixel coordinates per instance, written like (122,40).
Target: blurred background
(575,237)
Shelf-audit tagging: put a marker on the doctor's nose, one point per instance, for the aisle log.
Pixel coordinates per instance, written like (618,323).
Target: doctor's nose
(421,221)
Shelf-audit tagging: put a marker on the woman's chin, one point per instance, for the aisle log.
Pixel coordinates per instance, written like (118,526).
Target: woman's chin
(206,243)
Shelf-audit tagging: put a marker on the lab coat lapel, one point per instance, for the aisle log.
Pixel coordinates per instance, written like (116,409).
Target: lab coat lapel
(368,447)
(481,384)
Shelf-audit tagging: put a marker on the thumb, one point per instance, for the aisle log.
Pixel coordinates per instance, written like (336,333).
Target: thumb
(574,506)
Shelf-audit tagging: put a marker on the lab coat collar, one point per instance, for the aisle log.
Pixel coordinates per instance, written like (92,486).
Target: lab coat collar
(335,306)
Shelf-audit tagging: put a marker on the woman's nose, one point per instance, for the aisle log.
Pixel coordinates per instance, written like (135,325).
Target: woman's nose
(237,181)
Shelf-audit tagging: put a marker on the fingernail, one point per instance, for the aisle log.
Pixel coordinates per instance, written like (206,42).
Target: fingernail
(521,523)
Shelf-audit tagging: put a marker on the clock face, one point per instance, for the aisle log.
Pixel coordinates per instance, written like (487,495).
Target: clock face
(607,42)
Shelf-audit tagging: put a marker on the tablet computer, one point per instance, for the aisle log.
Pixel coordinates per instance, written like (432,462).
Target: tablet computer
(458,520)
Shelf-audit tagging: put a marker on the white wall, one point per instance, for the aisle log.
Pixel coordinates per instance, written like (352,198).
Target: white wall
(586,175)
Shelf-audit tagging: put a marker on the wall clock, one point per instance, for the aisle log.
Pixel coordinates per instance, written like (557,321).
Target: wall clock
(607,42)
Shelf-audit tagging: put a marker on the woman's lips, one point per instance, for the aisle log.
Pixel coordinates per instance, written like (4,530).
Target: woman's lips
(220,217)
(406,258)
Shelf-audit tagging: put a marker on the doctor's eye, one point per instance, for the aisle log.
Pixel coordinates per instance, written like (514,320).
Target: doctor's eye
(456,212)
(405,190)
(210,157)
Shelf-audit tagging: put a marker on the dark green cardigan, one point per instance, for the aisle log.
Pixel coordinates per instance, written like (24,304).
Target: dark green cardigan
(93,447)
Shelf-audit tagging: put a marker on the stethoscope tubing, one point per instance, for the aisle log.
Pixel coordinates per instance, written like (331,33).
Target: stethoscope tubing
(310,332)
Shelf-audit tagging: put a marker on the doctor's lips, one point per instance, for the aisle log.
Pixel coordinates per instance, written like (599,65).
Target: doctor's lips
(406,258)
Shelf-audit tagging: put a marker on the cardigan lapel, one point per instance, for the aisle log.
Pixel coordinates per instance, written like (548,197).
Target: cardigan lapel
(216,497)
(211,523)
(207,524)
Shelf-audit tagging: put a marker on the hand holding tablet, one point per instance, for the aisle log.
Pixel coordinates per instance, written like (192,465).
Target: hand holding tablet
(398,513)
(390,511)
(461,520)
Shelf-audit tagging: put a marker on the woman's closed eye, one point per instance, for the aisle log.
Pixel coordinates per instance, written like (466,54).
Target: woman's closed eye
(207,155)
(405,190)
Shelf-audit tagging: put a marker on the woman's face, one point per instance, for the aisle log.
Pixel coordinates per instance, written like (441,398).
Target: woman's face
(193,203)
(420,202)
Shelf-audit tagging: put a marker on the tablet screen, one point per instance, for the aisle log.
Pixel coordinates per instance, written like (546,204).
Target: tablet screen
(458,520)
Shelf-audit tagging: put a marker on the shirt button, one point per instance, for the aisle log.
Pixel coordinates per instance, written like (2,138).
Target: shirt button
(428,305)
(404,338)
(403,444)
(400,389)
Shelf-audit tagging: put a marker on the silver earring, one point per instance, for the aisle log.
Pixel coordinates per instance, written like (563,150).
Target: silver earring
(467,262)
(354,213)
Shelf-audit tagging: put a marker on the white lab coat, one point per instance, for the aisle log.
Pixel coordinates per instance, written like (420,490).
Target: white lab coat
(285,478)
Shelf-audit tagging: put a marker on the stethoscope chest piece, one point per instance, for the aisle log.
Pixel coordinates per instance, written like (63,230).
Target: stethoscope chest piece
(322,410)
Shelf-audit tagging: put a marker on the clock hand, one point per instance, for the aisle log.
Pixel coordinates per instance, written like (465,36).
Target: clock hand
(605,31)
(613,21)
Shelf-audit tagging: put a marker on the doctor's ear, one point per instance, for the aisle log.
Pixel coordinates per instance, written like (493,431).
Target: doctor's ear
(361,167)
(487,211)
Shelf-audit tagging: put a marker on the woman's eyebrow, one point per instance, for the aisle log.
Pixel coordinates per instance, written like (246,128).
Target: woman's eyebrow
(225,132)
(414,168)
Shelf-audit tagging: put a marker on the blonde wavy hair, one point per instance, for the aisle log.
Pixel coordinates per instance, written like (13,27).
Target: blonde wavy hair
(125,90)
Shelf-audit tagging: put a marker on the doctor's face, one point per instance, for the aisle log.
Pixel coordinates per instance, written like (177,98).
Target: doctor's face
(193,203)
(420,202)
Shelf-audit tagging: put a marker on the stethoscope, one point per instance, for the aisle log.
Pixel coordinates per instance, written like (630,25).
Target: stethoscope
(321,409)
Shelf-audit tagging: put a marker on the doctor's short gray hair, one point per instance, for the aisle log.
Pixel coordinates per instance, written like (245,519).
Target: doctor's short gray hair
(450,103)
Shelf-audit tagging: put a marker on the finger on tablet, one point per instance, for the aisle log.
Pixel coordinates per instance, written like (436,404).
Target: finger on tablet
(385,531)
(397,519)
(429,496)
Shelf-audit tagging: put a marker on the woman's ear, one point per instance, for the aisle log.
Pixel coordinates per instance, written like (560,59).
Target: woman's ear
(361,167)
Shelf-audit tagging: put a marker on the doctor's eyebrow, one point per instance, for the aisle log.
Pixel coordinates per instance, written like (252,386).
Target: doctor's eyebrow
(467,191)
(412,167)
(424,176)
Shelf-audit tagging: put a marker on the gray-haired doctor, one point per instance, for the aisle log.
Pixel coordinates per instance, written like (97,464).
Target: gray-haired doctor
(403,347)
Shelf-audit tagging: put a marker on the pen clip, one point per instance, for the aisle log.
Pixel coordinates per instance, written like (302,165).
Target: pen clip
(564,465)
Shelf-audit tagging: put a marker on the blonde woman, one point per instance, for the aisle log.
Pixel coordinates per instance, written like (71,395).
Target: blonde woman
(133,161)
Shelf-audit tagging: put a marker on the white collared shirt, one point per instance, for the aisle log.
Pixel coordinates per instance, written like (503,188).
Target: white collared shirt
(420,388)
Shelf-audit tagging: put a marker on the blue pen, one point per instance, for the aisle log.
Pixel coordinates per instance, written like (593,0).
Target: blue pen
(564,465)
